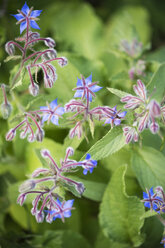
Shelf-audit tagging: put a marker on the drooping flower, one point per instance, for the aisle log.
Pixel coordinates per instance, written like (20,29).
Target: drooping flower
(52,112)
(85,88)
(151,200)
(116,118)
(62,210)
(88,164)
(27,16)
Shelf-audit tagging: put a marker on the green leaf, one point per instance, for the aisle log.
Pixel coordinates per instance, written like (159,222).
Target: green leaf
(112,142)
(148,214)
(158,55)
(148,166)
(117,92)
(158,82)
(92,127)
(15,57)
(120,214)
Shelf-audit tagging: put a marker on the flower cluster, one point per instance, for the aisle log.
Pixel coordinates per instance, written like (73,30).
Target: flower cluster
(34,120)
(146,112)
(35,60)
(47,199)
(134,50)
(85,90)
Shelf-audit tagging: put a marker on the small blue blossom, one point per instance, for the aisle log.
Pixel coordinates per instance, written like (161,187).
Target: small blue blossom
(163,242)
(85,88)
(116,118)
(151,199)
(88,164)
(62,209)
(27,15)
(52,112)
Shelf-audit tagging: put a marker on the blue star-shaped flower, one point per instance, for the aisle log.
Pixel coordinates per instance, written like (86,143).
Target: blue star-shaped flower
(27,15)
(116,118)
(84,86)
(52,112)
(62,209)
(90,164)
(150,199)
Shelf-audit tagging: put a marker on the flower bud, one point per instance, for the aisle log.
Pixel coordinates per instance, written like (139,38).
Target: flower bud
(11,134)
(6,110)
(50,42)
(45,153)
(33,89)
(80,188)
(27,185)
(10,48)
(40,135)
(154,127)
(48,82)
(154,108)
(63,61)
(21,199)
(39,217)
(39,171)
(69,151)
(31,138)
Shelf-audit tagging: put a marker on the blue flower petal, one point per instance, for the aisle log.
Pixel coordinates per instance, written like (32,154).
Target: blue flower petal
(57,216)
(18,17)
(91,170)
(79,93)
(60,111)
(44,108)
(145,195)
(58,202)
(68,204)
(147,204)
(88,156)
(36,13)
(88,80)
(122,114)
(94,162)
(151,191)
(95,88)
(33,24)
(67,214)
(53,104)
(45,118)
(54,120)
(90,97)
(79,82)
(85,171)
(23,26)
(25,9)
(117,122)
(108,121)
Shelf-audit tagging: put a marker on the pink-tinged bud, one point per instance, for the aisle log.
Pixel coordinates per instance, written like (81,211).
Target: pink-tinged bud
(45,153)
(39,171)
(131,73)
(50,42)
(136,137)
(69,151)
(6,110)
(27,185)
(31,138)
(39,217)
(80,188)
(49,218)
(48,82)
(21,199)
(141,89)
(51,54)
(143,122)
(40,135)
(63,61)
(154,108)
(126,98)
(10,48)
(11,134)
(154,127)
(33,89)
(33,36)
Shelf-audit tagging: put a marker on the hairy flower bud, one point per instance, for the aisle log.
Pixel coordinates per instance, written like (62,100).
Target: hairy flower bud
(45,153)
(11,134)
(154,127)
(80,188)
(33,89)
(21,199)
(63,61)
(154,108)
(31,138)
(39,217)
(27,185)
(10,48)
(6,110)
(69,151)
(40,135)
(50,42)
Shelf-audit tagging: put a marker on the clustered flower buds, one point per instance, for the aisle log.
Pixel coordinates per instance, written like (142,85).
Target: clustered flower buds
(47,200)
(146,112)
(36,60)
(32,125)
(86,91)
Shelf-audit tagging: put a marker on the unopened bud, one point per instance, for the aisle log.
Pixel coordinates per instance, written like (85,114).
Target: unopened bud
(50,42)
(9,47)
(45,153)
(154,127)
(70,151)
(80,188)
(63,61)
(6,110)
(39,217)
(48,82)
(11,134)
(31,138)
(27,185)
(40,135)
(33,89)
(21,199)
(154,108)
